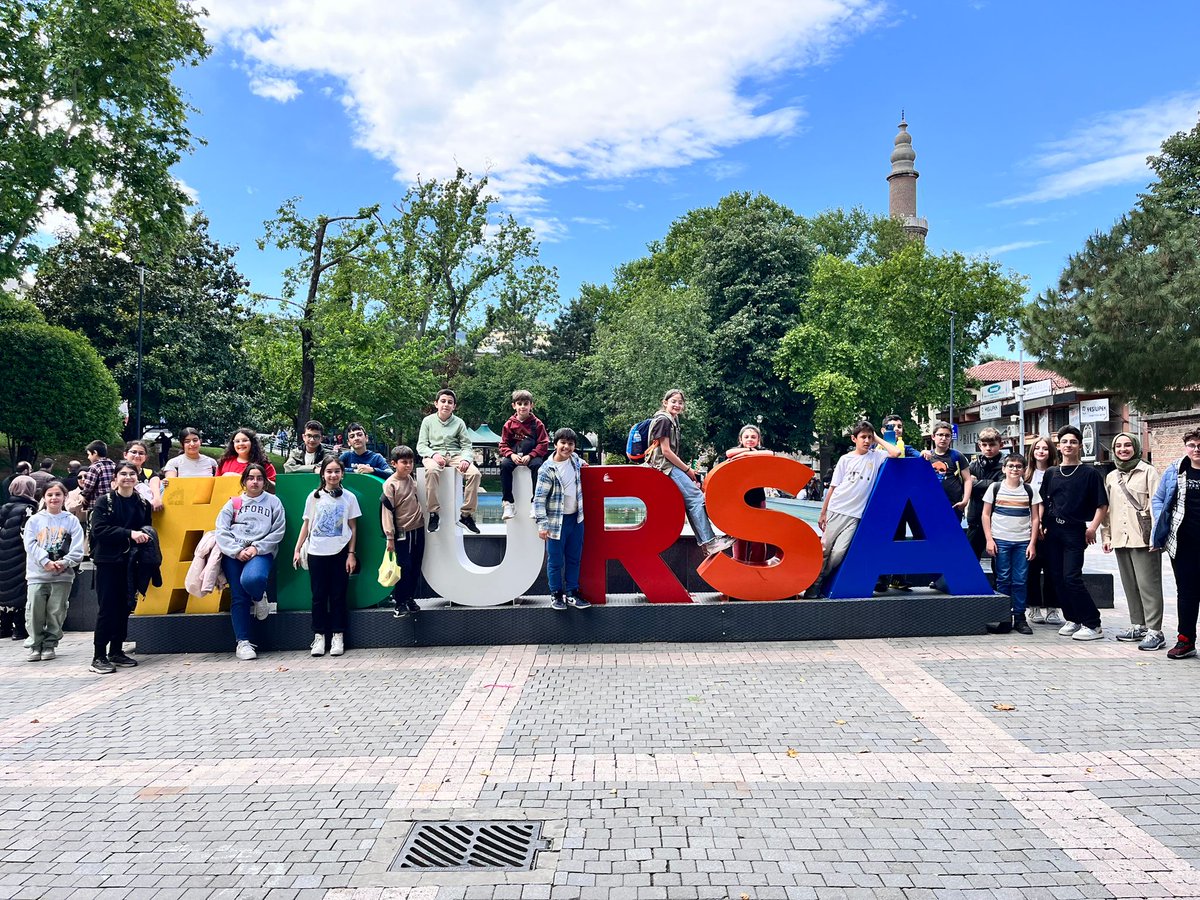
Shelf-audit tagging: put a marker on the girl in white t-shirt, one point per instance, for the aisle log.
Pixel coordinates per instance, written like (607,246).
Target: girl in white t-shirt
(330,531)
(191,463)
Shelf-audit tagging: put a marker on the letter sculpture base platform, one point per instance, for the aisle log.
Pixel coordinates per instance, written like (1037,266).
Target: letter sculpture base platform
(623,619)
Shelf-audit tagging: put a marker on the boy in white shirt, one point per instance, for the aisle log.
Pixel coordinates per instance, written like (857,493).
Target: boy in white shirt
(853,478)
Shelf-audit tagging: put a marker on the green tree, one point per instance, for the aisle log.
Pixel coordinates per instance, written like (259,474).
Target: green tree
(573,331)
(1123,316)
(323,243)
(874,338)
(659,341)
(15,310)
(59,394)
(747,260)
(89,116)
(194,371)
(452,256)
(485,387)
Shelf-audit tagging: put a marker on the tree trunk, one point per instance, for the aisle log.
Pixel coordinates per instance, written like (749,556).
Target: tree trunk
(308,366)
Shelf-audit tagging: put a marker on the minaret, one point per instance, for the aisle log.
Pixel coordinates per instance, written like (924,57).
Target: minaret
(902,185)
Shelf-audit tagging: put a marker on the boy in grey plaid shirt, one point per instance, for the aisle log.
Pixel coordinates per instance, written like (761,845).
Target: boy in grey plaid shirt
(558,510)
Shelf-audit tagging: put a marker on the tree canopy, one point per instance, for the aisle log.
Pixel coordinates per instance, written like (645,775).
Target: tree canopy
(874,338)
(59,395)
(194,370)
(1123,315)
(89,116)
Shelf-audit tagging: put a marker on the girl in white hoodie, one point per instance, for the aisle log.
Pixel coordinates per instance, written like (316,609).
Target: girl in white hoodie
(53,550)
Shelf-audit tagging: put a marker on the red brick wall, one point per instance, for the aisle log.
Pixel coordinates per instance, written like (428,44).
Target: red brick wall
(1165,441)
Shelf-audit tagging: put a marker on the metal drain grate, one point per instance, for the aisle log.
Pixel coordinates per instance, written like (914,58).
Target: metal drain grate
(468,846)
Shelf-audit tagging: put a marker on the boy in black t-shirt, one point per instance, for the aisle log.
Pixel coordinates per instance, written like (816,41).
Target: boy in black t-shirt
(986,468)
(1074,503)
(951,468)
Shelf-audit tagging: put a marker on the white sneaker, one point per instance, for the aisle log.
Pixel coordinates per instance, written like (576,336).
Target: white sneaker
(245,650)
(337,646)
(1088,634)
(509,512)
(33,656)
(1069,629)
(1054,617)
(717,544)
(318,645)
(261,609)
(1037,615)
(49,653)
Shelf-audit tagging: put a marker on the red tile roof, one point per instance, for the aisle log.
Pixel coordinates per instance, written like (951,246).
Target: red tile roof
(1005,369)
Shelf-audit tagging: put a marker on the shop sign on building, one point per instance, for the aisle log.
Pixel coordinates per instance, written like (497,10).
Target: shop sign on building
(999,390)
(1093,410)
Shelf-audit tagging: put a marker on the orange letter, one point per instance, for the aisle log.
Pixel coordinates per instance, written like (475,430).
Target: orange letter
(800,548)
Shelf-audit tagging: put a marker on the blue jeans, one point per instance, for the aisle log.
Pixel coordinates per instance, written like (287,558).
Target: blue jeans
(563,555)
(247,583)
(1012,569)
(693,504)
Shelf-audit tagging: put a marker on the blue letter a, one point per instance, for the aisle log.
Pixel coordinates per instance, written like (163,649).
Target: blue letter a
(940,547)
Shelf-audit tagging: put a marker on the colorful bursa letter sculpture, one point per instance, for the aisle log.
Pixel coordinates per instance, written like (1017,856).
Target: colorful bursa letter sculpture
(638,547)
(190,507)
(293,586)
(450,572)
(799,562)
(940,547)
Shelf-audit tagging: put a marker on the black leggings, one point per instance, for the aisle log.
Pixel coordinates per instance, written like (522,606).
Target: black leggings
(1186,564)
(330,580)
(112,620)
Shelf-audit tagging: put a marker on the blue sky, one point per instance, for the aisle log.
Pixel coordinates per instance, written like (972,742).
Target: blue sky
(602,123)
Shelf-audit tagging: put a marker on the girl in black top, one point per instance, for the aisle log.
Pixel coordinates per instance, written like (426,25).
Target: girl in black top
(117,522)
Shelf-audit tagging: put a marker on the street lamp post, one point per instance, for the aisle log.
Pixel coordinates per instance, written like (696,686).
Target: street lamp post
(952,429)
(141,306)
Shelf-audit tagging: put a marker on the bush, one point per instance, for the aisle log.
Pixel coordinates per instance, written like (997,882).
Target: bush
(59,395)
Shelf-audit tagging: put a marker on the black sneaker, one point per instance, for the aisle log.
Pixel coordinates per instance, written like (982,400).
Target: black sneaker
(434,521)
(101,666)
(412,606)
(881,586)
(467,521)
(573,599)
(1021,625)
(122,660)
(1183,649)
(558,601)
(900,584)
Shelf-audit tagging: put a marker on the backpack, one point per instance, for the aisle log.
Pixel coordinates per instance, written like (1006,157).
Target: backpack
(639,437)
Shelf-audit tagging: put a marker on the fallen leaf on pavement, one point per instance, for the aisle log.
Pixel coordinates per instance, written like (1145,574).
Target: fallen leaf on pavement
(792,754)
(1003,707)
(839,721)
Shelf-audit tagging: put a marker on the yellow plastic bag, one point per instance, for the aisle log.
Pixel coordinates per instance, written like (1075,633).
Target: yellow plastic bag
(389,569)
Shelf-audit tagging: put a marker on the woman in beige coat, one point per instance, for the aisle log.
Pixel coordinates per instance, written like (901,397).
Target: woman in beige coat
(1126,530)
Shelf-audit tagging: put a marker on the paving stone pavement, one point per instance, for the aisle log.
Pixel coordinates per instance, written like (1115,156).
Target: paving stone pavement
(845,769)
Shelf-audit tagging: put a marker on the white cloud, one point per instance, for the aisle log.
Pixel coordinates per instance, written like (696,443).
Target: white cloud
(1108,151)
(273,88)
(190,192)
(537,92)
(719,171)
(1008,248)
(594,222)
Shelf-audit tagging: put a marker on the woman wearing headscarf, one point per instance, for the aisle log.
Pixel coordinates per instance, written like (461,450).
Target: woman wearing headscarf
(1126,531)
(13,516)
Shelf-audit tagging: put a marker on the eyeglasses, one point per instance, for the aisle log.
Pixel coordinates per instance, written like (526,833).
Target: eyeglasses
(1192,446)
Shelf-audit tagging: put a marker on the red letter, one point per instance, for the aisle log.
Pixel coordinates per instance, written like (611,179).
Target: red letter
(636,548)
(800,548)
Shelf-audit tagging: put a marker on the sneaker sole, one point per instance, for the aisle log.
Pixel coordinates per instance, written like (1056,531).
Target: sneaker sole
(1188,655)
